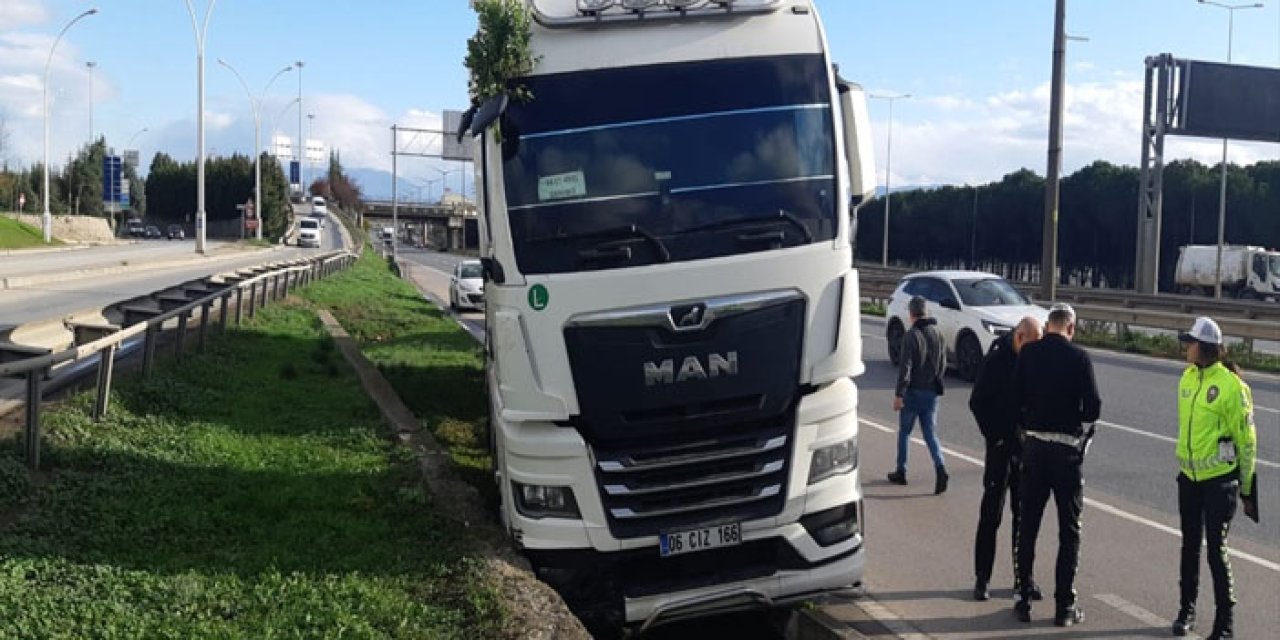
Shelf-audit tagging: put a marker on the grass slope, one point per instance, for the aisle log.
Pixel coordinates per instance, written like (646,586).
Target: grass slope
(246,493)
(434,366)
(16,235)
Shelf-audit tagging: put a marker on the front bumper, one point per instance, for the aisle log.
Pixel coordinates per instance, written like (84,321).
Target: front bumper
(778,561)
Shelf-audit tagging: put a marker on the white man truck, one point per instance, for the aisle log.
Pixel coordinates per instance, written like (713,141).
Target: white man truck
(1247,272)
(673,320)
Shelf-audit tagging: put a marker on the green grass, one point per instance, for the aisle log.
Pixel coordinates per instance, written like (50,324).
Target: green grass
(16,235)
(433,365)
(877,309)
(246,493)
(1103,335)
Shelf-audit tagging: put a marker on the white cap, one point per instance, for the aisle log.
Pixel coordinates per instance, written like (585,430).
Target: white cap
(1204,330)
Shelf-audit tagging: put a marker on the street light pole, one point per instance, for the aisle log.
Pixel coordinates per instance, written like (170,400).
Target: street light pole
(888,170)
(311,124)
(90,65)
(201,34)
(301,143)
(256,105)
(48,217)
(134,136)
(1222,189)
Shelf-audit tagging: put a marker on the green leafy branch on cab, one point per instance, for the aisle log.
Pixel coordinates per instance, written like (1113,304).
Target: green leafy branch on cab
(499,51)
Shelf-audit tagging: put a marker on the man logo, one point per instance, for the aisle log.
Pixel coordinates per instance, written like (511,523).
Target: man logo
(691,368)
(688,316)
(1212,394)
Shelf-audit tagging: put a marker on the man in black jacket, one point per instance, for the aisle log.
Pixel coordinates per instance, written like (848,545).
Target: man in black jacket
(1056,389)
(995,408)
(920,369)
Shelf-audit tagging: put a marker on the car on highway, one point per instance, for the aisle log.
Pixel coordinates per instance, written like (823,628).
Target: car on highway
(153,232)
(318,206)
(466,286)
(135,229)
(175,232)
(308,233)
(972,308)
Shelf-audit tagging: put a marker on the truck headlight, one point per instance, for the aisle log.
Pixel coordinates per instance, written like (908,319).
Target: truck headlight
(539,501)
(833,460)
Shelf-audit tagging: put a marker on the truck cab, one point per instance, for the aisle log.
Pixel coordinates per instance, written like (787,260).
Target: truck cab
(673,319)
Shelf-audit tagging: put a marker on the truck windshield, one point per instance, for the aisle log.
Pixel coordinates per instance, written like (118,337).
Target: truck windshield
(1275,265)
(700,160)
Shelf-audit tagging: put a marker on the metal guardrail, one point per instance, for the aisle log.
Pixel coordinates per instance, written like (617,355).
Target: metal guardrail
(262,284)
(1249,320)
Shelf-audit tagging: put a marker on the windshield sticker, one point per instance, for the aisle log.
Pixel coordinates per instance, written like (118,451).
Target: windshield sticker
(561,186)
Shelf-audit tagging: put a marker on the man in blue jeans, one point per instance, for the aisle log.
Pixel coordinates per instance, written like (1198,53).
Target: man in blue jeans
(920,369)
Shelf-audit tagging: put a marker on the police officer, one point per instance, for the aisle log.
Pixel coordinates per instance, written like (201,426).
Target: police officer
(1056,390)
(996,410)
(1217,452)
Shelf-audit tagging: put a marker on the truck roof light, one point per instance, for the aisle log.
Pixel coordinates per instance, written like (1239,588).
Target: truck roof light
(594,6)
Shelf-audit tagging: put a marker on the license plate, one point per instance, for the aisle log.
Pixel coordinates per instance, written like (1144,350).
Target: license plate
(678,542)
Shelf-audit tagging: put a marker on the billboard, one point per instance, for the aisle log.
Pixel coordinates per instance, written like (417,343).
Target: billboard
(114,188)
(1216,100)
(451,149)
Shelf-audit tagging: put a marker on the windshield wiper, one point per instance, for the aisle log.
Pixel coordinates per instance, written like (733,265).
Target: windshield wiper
(782,216)
(612,249)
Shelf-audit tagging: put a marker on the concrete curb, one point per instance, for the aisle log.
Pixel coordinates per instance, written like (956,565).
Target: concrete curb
(14,282)
(545,616)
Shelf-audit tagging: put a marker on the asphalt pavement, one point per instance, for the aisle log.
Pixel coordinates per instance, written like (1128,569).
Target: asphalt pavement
(23,304)
(920,546)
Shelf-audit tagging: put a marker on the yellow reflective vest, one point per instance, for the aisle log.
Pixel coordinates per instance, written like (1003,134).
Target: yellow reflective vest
(1216,434)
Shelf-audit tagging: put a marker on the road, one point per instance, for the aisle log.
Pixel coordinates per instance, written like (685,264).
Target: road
(38,302)
(920,560)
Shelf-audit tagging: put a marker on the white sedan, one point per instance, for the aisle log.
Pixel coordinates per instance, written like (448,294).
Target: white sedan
(466,286)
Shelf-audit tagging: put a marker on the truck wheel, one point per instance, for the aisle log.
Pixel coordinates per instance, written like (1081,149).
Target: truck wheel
(968,357)
(893,335)
(1249,294)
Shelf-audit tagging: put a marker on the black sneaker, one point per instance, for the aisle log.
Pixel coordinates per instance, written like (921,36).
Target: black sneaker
(940,486)
(898,477)
(1069,616)
(1221,634)
(1022,610)
(1185,622)
(980,592)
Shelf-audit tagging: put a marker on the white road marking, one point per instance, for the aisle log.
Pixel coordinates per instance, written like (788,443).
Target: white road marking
(893,622)
(1101,506)
(1157,436)
(1138,613)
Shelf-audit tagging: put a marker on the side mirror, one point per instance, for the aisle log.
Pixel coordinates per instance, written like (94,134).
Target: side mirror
(492,270)
(858,149)
(950,303)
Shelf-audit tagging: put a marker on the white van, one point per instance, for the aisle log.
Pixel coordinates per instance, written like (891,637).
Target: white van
(309,233)
(318,206)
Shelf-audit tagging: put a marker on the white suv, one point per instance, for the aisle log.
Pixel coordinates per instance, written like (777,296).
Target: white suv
(973,308)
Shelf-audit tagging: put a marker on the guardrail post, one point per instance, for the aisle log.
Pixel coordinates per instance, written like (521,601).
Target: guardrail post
(253,297)
(222,308)
(106,365)
(182,332)
(239,304)
(149,350)
(35,393)
(263,302)
(204,325)
(287,275)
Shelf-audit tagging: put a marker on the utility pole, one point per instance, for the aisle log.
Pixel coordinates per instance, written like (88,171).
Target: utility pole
(301,142)
(1049,247)
(90,65)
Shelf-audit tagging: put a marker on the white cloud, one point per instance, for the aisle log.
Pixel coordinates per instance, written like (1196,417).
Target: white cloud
(17,13)
(968,141)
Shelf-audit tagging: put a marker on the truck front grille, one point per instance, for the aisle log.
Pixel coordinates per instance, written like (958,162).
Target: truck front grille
(725,478)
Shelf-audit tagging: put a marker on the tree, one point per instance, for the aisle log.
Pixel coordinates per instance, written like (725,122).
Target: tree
(4,143)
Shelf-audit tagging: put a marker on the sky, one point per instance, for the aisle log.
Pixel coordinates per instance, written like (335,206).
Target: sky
(977,71)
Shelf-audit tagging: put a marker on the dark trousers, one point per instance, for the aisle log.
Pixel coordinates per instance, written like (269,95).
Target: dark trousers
(1001,472)
(1049,467)
(1206,508)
